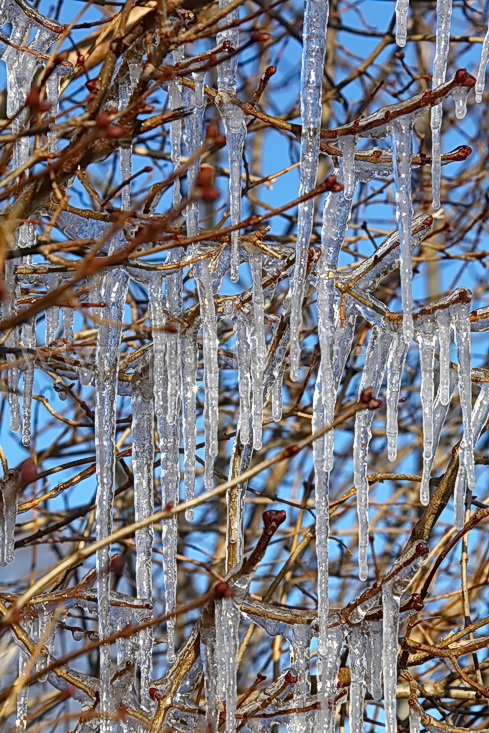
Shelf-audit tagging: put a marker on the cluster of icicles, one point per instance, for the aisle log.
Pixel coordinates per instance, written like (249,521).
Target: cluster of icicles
(163,386)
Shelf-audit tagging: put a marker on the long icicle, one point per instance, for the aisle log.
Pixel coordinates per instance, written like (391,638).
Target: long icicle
(313,53)
(142,466)
(233,120)
(401,132)
(113,293)
(443,21)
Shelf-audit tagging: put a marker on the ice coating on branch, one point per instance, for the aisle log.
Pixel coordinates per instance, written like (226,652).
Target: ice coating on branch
(401,131)
(427,340)
(443,21)
(347,146)
(395,368)
(402,10)
(313,53)
(9,486)
(390,607)
(114,289)
(481,74)
(372,376)
(142,466)
(461,324)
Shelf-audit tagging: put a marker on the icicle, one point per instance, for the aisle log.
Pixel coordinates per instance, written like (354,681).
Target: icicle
(107,353)
(68,321)
(461,324)
(480,413)
(372,376)
(168,443)
(300,661)
(233,119)
(235,503)
(395,367)
(189,392)
(227,623)
(9,486)
(357,642)
(402,9)
(427,340)
(211,665)
(459,96)
(193,140)
(443,321)
(390,608)
(481,74)
(401,131)
(142,466)
(23,695)
(176,101)
(347,146)
(259,349)
(443,21)
(29,342)
(330,643)
(211,369)
(52,314)
(243,357)
(277,405)
(125,152)
(234,122)
(440,412)
(414,720)
(374,660)
(313,52)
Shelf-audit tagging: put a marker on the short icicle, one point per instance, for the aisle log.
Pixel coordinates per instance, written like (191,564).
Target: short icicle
(402,10)
(481,74)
